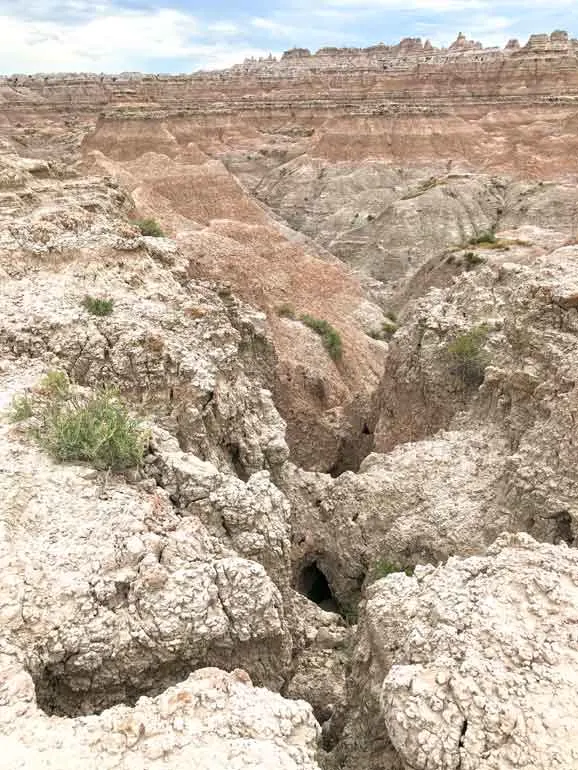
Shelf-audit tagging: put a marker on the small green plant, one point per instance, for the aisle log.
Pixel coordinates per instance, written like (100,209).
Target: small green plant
(472,260)
(20,409)
(286,311)
(150,227)
(382,568)
(98,306)
(487,236)
(329,336)
(386,331)
(97,430)
(56,383)
(467,357)
(391,315)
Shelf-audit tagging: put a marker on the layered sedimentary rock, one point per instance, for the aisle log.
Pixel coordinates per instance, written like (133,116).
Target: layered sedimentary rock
(545,65)
(421,203)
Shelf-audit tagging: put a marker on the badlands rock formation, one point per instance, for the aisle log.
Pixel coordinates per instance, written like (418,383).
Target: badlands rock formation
(420,204)
(472,664)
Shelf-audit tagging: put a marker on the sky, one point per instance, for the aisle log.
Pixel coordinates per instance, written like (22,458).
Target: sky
(175,36)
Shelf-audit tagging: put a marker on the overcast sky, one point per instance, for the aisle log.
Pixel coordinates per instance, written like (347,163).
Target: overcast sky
(184,35)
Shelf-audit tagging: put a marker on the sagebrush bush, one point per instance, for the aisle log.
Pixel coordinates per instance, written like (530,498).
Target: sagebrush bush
(329,336)
(98,305)
(150,227)
(96,429)
(467,357)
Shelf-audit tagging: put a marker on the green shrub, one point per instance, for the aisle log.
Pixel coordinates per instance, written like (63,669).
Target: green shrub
(329,336)
(382,568)
(391,315)
(98,306)
(20,409)
(467,358)
(150,227)
(472,259)
(488,236)
(96,429)
(56,383)
(286,311)
(386,332)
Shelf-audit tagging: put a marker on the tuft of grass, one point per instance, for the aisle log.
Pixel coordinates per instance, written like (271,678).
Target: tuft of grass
(387,330)
(286,310)
(382,568)
(150,227)
(391,315)
(487,236)
(467,358)
(20,409)
(329,336)
(97,305)
(96,429)
(472,260)
(55,383)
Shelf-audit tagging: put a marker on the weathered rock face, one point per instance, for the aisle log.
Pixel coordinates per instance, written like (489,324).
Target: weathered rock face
(212,720)
(371,189)
(547,64)
(472,664)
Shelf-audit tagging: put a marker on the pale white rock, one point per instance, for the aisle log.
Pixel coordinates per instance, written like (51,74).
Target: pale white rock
(210,721)
(474,664)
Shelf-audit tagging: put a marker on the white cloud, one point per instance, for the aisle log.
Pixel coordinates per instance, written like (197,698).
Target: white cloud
(118,41)
(275,28)
(224,28)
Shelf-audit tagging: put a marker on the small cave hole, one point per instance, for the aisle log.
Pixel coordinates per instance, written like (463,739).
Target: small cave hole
(564,528)
(313,584)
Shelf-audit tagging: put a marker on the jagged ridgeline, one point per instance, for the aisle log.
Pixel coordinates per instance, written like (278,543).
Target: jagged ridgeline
(287,411)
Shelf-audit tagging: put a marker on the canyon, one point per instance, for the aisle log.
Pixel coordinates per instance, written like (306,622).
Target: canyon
(350,539)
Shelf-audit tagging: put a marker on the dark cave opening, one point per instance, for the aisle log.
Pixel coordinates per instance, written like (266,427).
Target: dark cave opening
(313,584)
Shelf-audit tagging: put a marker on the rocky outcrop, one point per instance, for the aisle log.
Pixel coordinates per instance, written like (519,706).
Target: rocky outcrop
(109,593)
(212,720)
(544,67)
(472,664)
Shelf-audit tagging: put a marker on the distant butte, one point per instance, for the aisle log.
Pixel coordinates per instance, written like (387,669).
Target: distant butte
(355,80)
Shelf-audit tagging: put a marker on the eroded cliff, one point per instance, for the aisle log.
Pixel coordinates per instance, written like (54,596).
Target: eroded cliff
(350,354)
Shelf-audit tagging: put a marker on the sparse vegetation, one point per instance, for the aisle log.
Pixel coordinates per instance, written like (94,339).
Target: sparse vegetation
(472,259)
(423,187)
(55,384)
(382,568)
(467,357)
(391,315)
(96,429)
(386,331)
(329,336)
(483,238)
(20,409)
(150,227)
(488,240)
(97,305)
(286,310)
